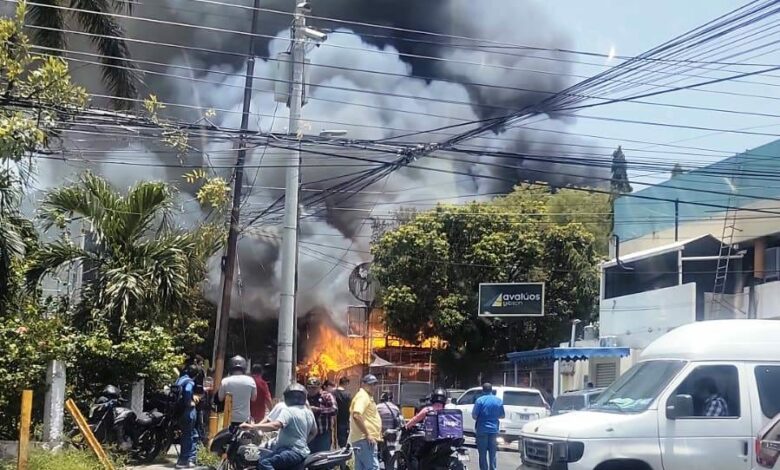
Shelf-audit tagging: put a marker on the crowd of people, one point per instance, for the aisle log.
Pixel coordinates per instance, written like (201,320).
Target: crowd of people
(310,419)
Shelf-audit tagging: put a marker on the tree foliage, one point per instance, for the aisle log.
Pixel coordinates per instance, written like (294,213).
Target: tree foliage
(95,17)
(430,269)
(619,183)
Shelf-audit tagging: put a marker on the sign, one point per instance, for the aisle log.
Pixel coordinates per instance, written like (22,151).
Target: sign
(521,299)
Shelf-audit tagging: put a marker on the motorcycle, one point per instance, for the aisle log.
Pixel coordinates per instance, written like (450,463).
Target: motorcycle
(413,451)
(113,424)
(242,449)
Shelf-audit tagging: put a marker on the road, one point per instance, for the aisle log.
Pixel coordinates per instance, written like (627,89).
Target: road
(508,459)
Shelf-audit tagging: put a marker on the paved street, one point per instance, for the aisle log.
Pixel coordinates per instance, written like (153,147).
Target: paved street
(508,459)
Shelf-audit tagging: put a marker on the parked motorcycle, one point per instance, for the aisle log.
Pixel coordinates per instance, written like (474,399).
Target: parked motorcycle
(413,451)
(242,449)
(113,424)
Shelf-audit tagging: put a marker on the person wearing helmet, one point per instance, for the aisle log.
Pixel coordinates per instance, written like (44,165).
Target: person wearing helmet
(487,411)
(295,424)
(323,405)
(242,387)
(365,425)
(391,420)
(438,400)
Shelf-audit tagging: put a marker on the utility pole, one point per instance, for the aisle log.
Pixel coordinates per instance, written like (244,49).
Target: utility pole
(229,267)
(286,339)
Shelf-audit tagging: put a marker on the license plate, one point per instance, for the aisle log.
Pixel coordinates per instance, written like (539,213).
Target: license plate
(523,416)
(464,458)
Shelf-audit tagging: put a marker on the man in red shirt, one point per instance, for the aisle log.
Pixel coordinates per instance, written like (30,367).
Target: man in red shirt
(260,407)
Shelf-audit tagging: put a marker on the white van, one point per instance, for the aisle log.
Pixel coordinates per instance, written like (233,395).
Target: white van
(696,400)
(521,405)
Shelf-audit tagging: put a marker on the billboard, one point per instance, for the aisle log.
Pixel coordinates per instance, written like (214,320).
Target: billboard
(518,299)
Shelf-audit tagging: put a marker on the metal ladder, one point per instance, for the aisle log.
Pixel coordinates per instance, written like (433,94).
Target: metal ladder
(725,253)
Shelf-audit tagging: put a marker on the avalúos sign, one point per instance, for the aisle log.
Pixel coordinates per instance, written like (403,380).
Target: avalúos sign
(519,299)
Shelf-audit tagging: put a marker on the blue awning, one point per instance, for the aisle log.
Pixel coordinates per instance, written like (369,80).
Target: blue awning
(566,354)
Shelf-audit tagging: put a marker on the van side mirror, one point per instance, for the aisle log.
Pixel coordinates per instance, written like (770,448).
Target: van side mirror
(679,406)
(454,401)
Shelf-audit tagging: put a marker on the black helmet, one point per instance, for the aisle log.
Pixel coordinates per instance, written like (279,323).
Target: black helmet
(111,392)
(386,396)
(314,382)
(237,363)
(439,396)
(295,395)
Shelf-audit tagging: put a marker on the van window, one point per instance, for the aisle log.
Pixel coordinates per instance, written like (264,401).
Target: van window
(469,397)
(635,390)
(768,381)
(523,399)
(715,391)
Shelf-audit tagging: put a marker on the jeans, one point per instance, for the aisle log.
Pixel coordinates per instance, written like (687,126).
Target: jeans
(321,443)
(487,446)
(365,455)
(189,437)
(281,459)
(342,434)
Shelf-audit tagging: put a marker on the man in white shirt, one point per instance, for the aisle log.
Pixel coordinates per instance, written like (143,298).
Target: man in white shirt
(243,389)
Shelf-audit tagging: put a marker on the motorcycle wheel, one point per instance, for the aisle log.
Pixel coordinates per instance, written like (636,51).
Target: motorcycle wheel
(397,462)
(147,448)
(456,464)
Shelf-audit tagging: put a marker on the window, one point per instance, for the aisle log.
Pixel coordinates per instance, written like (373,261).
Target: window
(635,390)
(768,381)
(523,399)
(468,398)
(569,402)
(715,391)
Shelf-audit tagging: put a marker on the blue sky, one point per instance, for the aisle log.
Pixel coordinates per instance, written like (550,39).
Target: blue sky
(632,27)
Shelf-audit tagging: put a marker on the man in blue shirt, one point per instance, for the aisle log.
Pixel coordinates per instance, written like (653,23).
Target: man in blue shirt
(488,409)
(189,400)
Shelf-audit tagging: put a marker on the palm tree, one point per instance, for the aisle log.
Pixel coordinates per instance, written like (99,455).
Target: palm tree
(17,234)
(48,19)
(141,269)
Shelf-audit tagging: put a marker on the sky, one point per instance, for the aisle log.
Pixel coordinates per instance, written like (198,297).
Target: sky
(631,27)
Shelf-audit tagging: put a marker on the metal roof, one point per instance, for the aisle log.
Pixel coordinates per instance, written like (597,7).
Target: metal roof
(719,340)
(566,354)
(649,253)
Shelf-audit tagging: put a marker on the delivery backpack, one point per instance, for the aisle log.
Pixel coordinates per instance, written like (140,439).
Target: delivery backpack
(443,424)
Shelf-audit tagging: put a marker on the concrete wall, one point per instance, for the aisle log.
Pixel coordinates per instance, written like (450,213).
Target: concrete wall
(636,320)
(768,300)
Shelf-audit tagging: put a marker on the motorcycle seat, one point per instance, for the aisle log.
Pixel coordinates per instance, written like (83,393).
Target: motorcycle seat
(149,418)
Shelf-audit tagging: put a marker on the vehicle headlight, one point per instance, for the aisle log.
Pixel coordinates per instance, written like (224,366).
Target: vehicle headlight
(568,451)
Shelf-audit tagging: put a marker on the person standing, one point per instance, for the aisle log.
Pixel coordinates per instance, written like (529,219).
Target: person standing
(323,405)
(188,416)
(343,402)
(242,387)
(391,420)
(365,425)
(487,411)
(262,404)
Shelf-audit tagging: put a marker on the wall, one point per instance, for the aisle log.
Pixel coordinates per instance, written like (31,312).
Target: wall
(768,300)
(636,320)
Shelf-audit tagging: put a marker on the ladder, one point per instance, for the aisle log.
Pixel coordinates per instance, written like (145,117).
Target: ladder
(726,250)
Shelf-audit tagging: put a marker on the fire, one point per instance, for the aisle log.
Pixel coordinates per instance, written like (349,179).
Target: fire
(331,352)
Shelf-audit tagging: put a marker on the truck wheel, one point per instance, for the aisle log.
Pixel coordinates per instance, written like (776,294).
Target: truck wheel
(623,465)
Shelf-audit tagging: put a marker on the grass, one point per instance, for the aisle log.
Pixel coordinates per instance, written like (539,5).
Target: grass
(70,459)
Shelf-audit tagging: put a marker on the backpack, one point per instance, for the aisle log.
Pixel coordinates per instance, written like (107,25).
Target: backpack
(176,396)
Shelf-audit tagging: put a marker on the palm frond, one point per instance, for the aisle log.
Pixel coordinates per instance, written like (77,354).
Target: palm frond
(50,24)
(146,203)
(91,198)
(119,74)
(50,258)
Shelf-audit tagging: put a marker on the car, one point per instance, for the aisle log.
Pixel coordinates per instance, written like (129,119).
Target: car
(575,400)
(521,405)
(698,398)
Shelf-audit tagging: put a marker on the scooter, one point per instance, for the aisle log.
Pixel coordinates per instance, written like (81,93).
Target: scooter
(415,453)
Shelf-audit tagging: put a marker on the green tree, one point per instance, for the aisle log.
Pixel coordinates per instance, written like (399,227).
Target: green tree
(430,269)
(619,184)
(49,20)
(677,170)
(143,270)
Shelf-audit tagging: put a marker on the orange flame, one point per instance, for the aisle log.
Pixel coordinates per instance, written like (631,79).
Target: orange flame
(331,352)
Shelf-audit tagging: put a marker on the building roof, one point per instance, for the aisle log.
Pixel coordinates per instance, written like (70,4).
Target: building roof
(566,354)
(660,250)
(719,340)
